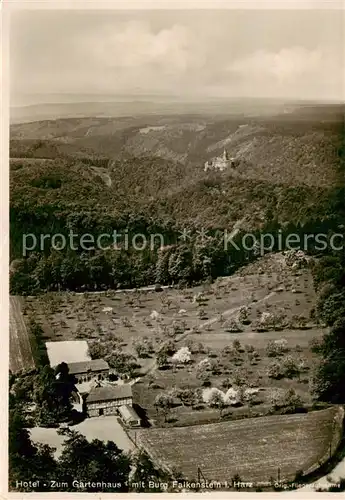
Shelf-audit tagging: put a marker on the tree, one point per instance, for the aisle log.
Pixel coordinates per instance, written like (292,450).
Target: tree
(123,363)
(93,461)
(203,371)
(23,388)
(62,372)
(162,265)
(334,340)
(53,397)
(164,402)
(243,316)
(327,269)
(237,345)
(180,265)
(167,347)
(188,396)
(143,347)
(285,367)
(144,472)
(328,379)
(98,349)
(39,350)
(275,398)
(183,355)
(276,348)
(240,376)
(291,401)
(232,326)
(216,399)
(162,359)
(327,382)
(27,462)
(331,307)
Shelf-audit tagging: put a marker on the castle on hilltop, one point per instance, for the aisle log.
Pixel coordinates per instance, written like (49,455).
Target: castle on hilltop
(220,162)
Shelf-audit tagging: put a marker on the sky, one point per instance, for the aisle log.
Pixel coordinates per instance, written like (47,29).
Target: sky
(292,54)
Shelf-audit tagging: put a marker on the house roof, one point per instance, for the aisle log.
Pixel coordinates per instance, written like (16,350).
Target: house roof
(69,351)
(128,413)
(109,393)
(94,365)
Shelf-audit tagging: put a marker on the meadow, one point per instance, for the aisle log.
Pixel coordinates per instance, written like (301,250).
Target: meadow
(255,450)
(21,358)
(228,325)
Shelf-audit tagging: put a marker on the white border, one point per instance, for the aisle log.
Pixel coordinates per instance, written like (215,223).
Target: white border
(177,4)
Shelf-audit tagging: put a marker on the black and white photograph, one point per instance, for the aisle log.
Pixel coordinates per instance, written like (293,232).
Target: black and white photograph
(176,244)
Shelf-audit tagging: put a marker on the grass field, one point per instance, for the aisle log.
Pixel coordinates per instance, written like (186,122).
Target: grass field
(252,448)
(20,349)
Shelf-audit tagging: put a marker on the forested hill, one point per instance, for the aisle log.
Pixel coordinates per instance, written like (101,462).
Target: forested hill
(161,190)
(146,174)
(298,147)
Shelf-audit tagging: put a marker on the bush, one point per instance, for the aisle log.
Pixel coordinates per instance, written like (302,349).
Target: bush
(143,347)
(299,321)
(203,366)
(270,321)
(275,399)
(187,396)
(232,326)
(274,370)
(291,401)
(291,367)
(213,397)
(240,377)
(167,347)
(276,348)
(216,368)
(183,355)
(237,345)
(288,402)
(284,368)
(244,316)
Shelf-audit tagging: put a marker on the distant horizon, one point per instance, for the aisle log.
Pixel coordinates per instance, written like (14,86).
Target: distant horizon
(95,98)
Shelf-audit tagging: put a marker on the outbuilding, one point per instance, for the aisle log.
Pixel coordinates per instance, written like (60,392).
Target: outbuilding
(129,416)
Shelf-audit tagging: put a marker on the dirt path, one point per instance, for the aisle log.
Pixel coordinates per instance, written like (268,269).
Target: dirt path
(20,349)
(149,288)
